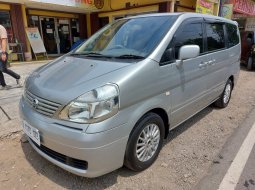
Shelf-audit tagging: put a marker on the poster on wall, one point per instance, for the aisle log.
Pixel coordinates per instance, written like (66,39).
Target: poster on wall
(35,40)
(250,24)
(227,11)
(205,7)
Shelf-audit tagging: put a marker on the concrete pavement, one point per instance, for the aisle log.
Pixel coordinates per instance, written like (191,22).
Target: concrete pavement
(9,114)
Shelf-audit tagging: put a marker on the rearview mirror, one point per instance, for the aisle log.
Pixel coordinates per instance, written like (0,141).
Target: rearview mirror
(188,52)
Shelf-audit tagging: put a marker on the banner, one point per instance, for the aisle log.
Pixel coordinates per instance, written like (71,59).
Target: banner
(245,7)
(250,24)
(87,4)
(35,40)
(227,11)
(205,7)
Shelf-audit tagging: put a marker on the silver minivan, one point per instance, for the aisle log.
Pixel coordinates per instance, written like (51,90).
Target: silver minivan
(112,101)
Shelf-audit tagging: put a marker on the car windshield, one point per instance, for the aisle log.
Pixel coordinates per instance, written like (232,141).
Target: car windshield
(133,38)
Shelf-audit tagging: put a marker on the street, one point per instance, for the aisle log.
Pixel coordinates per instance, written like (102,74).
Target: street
(196,155)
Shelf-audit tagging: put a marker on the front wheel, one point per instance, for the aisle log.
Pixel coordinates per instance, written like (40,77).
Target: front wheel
(145,142)
(224,99)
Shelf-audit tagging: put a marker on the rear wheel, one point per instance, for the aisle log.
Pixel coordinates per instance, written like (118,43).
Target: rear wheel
(224,99)
(145,142)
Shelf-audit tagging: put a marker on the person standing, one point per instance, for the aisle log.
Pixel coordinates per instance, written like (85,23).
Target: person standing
(3,60)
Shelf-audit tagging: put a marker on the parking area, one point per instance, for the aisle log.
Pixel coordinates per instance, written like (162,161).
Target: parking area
(188,152)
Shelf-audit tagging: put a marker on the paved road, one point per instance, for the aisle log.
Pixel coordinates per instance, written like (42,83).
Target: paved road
(235,168)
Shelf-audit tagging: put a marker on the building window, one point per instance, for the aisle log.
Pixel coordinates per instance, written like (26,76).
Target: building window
(5,20)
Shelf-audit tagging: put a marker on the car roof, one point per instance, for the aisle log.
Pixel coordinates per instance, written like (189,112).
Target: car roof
(186,15)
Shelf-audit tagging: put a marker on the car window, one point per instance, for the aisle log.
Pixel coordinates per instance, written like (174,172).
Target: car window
(215,36)
(191,34)
(135,36)
(232,35)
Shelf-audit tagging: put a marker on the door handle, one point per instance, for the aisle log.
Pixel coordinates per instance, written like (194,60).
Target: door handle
(211,62)
(203,64)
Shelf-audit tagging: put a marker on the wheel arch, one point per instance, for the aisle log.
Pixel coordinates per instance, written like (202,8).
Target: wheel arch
(164,116)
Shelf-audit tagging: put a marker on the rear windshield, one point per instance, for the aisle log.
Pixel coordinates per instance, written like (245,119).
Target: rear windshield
(135,36)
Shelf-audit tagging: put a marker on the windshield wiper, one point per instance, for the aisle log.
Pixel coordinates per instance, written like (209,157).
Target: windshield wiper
(91,54)
(130,56)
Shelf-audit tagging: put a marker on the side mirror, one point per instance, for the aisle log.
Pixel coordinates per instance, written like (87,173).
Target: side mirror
(187,52)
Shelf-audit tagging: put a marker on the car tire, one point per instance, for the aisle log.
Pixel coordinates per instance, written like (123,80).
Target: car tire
(224,99)
(249,63)
(145,142)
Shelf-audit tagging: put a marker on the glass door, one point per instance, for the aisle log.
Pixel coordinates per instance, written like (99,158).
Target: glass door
(49,35)
(64,34)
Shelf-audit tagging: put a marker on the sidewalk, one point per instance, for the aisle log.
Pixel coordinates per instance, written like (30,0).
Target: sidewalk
(30,62)
(9,99)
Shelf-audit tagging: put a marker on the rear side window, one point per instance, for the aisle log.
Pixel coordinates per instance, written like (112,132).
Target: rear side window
(215,36)
(191,34)
(232,35)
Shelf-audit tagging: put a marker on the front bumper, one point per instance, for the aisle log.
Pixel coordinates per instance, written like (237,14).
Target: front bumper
(101,152)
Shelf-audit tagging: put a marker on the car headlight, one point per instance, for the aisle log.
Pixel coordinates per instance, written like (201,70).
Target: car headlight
(93,106)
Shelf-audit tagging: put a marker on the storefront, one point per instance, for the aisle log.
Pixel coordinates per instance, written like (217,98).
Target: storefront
(62,23)
(58,30)
(123,8)
(240,10)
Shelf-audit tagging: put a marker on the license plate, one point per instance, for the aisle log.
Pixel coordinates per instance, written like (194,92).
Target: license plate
(32,132)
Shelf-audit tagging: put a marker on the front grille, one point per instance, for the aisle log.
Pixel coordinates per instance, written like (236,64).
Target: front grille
(79,164)
(41,105)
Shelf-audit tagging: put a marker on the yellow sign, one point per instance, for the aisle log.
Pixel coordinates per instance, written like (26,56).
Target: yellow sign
(87,4)
(227,11)
(205,7)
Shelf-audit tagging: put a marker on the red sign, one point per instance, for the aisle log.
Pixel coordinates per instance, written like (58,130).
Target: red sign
(206,4)
(245,7)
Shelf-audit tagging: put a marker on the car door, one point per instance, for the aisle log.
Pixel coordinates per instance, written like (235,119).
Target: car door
(186,83)
(219,64)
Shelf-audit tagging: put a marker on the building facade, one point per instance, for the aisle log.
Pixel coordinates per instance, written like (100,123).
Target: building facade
(62,23)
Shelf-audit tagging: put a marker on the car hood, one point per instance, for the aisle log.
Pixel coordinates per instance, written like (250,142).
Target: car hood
(66,78)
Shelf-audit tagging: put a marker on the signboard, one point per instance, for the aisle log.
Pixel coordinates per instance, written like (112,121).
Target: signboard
(87,4)
(205,7)
(227,11)
(244,6)
(35,40)
(250,24)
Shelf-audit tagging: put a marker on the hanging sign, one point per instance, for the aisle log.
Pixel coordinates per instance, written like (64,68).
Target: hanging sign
(205,7)
(250,24)
(245,7)
(227,11)
(35,40)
